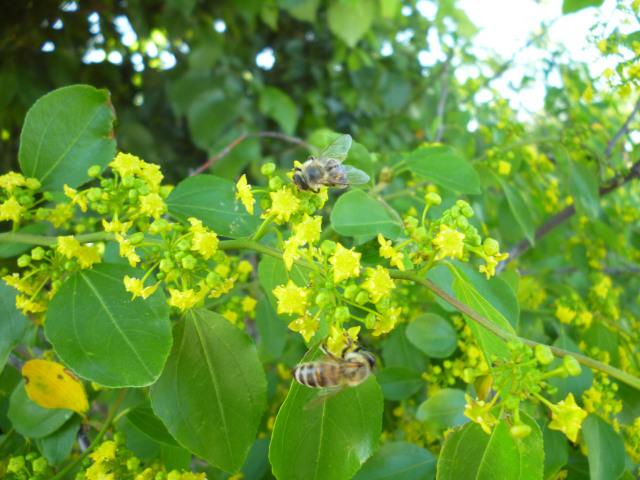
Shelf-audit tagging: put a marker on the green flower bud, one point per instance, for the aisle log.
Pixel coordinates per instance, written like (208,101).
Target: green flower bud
(462,222)
(94,194)
(33,183)
(15,464)
(420,234)
(386,175)
(323,298)
(454,211)
(94,171)
(468,375)
(133,464)
(48,196)
(129,181)
(267,169)
(342,314)
(571,365)
(183,245)
(544,355)
(24,260)
(362,297)
(133,195)
(328,247)
(37,253)
(520,431)
(411,223)
(351,291)
(166,265)
(189,262)
(39,465)
(275,183)
(467,211)
(161,275)
(370,320)
(432,198)
(491,246)
(101,208)
(136,238)
(144,189)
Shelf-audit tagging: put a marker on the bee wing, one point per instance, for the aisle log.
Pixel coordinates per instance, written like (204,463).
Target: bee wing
(337,150)
(323,395)
(355,176)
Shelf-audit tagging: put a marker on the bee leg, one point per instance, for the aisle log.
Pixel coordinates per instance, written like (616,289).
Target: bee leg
(325,350)
(348,345)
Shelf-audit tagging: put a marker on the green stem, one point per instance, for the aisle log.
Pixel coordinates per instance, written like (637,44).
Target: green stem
(504,335)
(107,423)
(262,230)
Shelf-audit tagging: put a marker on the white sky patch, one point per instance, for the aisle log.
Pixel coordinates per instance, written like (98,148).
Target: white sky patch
(386,49)
(58,24)
(69,6)
(115,57)
(94,56)
(219,26)
(266,58)
(167,60)
(48,46)
(127,34)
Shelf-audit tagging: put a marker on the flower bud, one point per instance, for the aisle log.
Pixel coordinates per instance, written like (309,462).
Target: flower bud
(136,238)
(362,297)
(342,314)
(323,298)
(268,168)
(128,181)
(328,247)
(189,262)
(544,355)
(462,222)
(33,183)
(571,365)
(520,431)
(39,465)
(275,183)
(491,246)
(16,464)
(37,253)
(432,198)
(24,260)
(468,375)
(133,464)
(350,292)
(94,171)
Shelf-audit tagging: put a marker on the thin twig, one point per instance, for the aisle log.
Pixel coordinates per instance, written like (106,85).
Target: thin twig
(226,150)
(562,216)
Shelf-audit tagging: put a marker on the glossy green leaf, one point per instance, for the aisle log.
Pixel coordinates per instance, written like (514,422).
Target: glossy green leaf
(349,20)
(57,446)
(399,461)
(13,323)
(32,420)
(212,200)
(445,167)
(145,421)
(570,6)
(103,335)
(329,439)
(65,132)
(277,105)
(399,383)
(212,393)
(470,453)
(488,341)
(444,409)
(433,335)
(521,210)
(605,449)
(357,214)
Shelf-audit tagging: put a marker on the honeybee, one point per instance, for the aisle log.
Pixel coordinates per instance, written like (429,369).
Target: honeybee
(327,168)
(350,369)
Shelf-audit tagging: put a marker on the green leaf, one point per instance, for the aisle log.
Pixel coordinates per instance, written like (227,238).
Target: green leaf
(520,209)
(146,422)
(212,392)
(390,8)
(65,132)
(398,351)
(103,335)
(272,329)
(444,409)
(570,6)
(272,272)
(31,420)
(329,440)
(399,383)
(210,114)
(606,449)
(576,385)
(556,452)
(357,214)
(399,461)
(469,453)
(491,344)
(445,167)
(583,184)
(304,10)
(433,335)
(13,323)
(276,104)
(212,200)
(57,446)
(349,20)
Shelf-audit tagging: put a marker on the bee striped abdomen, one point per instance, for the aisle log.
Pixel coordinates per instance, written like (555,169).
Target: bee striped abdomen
(317,374)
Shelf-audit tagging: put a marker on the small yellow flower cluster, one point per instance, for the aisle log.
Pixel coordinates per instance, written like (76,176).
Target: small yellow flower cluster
(396,258)
(570,310)
(601,397)
(345,263)
(86,256)
(479,411)
(294,300)
(16,197)
(531,293)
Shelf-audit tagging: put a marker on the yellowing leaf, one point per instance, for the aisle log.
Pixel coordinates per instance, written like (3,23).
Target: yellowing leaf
(51,385)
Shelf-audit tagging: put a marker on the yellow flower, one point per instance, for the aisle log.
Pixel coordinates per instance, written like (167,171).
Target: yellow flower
(603,287)
(11,210)
(565,314)
(127,250)
(584,319)
(184,299)
(387,251)
(152,205)
(491,262)
(244,194)
(29,306)
(151,174)
(69,247)
(291,252)
(378,283)
(291,298)
(204,241)
(231,316)
(106,451)
(567,417)
(306,326)
(480,412)
(248,304)
(11,180)
(116,226)
(504,168)
(346,263)
(337,340)
(283,204)
(137,288)
(58,216)
(126,164)
(449,243)
(76,198)
(308,230)
(245,267)
(387,322)
(98,471)
(20,284)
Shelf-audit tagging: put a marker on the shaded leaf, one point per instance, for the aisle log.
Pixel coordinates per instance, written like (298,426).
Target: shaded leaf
(357,214)
(278,105)
(443,410)
(349,20)
(521,210)
(399,461)
(30,419)
(445,167)
(145,421)
(433,335)
(399,383)
(13,323)
(605,449)
(57,446)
